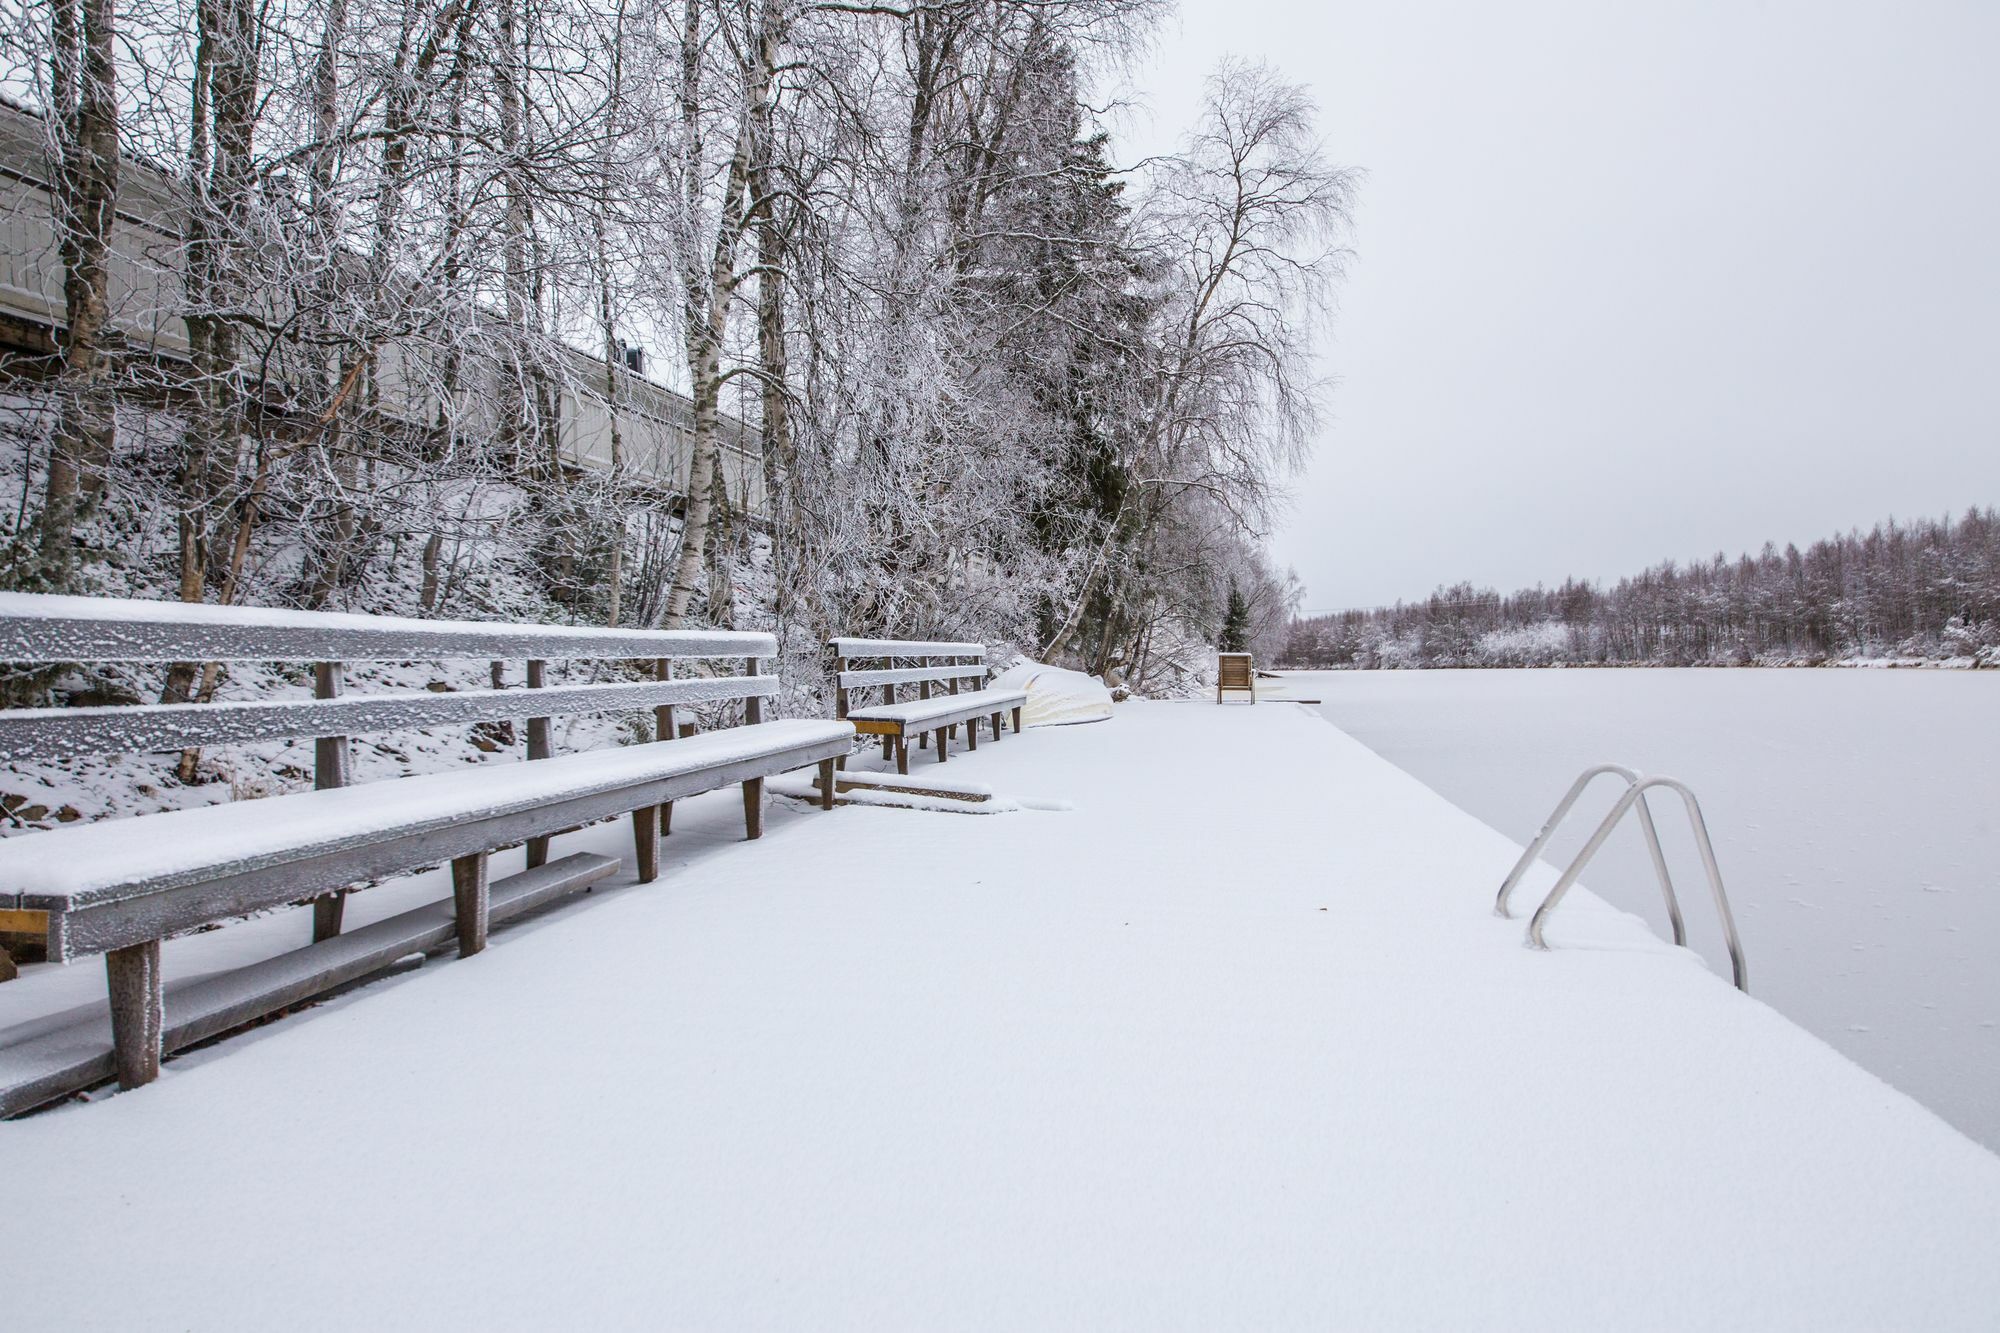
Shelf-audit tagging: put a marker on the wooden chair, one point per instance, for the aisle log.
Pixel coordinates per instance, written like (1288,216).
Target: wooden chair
(1233,675)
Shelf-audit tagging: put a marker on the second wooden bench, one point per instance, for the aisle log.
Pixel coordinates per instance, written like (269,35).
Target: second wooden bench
(939,672)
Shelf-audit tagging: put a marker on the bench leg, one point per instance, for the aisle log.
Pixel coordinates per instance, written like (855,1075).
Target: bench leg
(326,915)
(138,1013)
(538,852)
(1017,719)
(972,733)
(996,726)
(923,740)
(469,900)
(646,841)
(886,743)
(826,781)
(753,808)
(942,755)
(903,753)
(687,729)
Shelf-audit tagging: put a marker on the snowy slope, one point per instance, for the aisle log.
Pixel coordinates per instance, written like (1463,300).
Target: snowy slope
(1233,1042)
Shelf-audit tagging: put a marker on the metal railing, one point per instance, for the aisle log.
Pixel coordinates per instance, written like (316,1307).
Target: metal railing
(1633,798)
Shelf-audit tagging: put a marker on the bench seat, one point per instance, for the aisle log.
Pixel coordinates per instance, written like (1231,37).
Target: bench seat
(120,882)
(914,713)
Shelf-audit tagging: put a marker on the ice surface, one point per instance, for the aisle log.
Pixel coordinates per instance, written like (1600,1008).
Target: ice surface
(1262,1059)
(1856,817)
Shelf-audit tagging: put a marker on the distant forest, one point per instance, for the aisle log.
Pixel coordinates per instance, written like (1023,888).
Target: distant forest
(1928,590)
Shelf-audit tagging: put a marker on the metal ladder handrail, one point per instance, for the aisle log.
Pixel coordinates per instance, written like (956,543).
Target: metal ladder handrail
(1636,786)
(1590,775)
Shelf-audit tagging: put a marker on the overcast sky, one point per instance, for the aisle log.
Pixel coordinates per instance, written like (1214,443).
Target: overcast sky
(1634,281)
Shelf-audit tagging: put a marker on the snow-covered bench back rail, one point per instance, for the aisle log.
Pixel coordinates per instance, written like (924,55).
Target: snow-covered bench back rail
(121,886)
(938,670)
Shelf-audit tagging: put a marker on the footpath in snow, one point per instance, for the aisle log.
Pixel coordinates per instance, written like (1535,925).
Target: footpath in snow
(1231,1041)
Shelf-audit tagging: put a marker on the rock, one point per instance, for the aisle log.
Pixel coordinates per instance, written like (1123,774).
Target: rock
(69,814)
(7,969)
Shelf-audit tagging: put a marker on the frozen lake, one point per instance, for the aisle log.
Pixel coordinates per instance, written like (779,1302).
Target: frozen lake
(1855,813)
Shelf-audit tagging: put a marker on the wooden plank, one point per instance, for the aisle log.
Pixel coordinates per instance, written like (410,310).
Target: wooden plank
(972,705)
(848,647)
(135,913)
(20,921)
(852,680)
(64,733)
(847,782)
(214,1005)
(79,1054)
(39,628)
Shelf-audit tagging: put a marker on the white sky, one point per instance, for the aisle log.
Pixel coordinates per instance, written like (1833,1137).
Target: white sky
(1634,281)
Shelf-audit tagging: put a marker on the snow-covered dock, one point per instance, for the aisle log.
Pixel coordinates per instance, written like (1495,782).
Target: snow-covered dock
(1231,1041)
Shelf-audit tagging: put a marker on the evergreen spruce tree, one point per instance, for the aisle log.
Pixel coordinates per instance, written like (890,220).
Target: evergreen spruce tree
(1235,636)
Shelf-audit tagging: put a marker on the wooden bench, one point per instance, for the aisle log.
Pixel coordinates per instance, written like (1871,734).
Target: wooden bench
(119,887)
(1233,673)
(939,672)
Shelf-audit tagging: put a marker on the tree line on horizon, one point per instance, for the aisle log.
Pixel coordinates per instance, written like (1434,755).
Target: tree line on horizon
(1927,589)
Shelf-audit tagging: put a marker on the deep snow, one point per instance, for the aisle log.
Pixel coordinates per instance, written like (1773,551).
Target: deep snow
(1856,816)
(1235,1041)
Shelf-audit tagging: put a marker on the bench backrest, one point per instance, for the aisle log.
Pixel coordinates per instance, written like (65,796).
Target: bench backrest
(1233,671)
(889,664)
(43,630)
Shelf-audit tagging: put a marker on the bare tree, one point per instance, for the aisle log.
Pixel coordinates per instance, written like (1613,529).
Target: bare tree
(83,99)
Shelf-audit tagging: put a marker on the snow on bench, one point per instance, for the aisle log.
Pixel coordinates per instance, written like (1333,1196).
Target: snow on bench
(915,712)
(114,883)
(120,887)
(929,665)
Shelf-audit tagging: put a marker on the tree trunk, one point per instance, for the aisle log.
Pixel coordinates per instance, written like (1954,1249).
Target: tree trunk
(706,322)
(86,98)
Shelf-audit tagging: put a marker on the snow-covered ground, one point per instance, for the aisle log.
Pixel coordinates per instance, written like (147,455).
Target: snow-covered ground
(1856,815)
(1233,1040)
